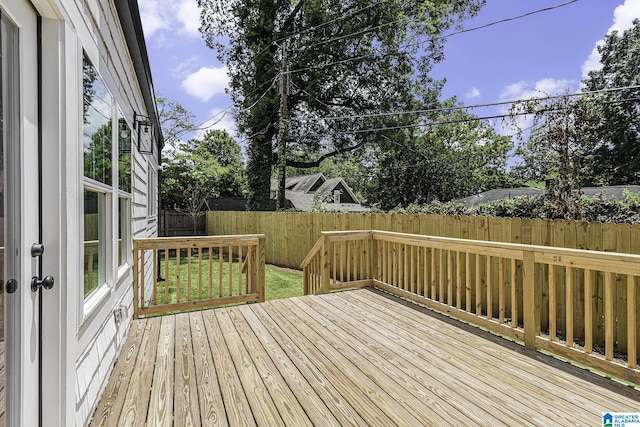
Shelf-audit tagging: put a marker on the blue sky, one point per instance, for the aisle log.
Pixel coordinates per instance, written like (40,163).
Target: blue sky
(549,52)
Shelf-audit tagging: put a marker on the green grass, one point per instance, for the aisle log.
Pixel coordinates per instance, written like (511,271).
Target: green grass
(279,283)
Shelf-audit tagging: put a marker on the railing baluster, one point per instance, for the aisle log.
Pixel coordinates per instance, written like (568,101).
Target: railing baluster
(588,311)
(188,274)
(478,287)
(553,325)
(514,293)
(166,276)
(220,268)
(489,289)
(569,273)
(142,275)
(177,274)
(240,263)
(460,282)
(412,270)
(450,256)
(210,272)
(443,256)
(155,276)
(608,315)
(432,274)
(467,257)
(200,273)
(501,307)
(230,269)
(632,326)
(335,263)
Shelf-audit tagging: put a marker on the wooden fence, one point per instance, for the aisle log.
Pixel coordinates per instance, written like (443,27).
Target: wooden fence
(589,316)
(197,272)
(290,236)
(175,224)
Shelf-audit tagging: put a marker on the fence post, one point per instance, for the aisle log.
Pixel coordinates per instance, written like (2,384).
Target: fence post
(324,262)
(532,300)
(260,259)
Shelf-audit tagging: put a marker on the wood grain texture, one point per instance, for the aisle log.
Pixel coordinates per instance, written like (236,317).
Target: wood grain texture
(353,358)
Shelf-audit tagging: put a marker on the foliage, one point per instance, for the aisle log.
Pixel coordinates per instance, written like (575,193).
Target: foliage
(597,209)
(175,120)
(556,147)
(458,157)
(200,169)
(351,60)
(616,129)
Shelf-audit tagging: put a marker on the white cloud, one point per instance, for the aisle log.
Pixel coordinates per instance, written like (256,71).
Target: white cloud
(189,17)
(474,92)
(169,15)
(541,88)
(529,90)
(623,16)
(206,82)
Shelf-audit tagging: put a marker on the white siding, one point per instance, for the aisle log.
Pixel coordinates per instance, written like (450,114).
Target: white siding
(94,339)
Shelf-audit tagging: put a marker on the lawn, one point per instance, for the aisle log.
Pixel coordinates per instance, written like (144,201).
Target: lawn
(225,279)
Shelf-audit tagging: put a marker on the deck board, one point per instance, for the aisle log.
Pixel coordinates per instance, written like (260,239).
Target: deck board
(357,358)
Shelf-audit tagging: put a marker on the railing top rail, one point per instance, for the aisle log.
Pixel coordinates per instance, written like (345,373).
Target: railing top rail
(198,241)
(312,253)
(578,258)
(336,236)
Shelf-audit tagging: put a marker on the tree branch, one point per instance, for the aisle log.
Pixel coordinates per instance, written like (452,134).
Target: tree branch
(292,16)
(316,163)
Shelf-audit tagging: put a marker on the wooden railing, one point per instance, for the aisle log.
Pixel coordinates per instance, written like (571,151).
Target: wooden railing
(592,308)
(197,272)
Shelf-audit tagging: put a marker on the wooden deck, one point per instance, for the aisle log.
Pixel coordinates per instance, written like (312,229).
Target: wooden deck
(349,358)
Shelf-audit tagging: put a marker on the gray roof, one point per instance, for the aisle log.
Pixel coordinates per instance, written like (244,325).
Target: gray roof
(299,192)
(615,192)
(499,194)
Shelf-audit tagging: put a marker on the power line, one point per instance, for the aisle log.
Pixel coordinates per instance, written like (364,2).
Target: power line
(425,41)
(470,107)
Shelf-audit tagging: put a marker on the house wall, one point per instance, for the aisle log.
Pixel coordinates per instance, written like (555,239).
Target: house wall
(81,339)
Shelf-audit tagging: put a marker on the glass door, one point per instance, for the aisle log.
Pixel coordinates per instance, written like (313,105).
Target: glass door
(19,215)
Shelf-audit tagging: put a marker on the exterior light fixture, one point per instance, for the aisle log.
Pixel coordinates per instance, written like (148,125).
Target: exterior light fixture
(145,133)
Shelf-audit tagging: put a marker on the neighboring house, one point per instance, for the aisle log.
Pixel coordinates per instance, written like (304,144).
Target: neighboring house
(79,164)
(302,193)
(616,192)
(306,191)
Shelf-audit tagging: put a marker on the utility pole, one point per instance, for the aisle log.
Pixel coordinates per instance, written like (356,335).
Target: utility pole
(282,129)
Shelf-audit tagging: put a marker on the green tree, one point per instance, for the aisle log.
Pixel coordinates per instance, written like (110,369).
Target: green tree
(556,147)
(97,156)
(351,60)
(202,168)
(176,121)
(615,123)
(456,157)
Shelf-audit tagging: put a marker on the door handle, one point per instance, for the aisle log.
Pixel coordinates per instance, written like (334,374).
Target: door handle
(37,283)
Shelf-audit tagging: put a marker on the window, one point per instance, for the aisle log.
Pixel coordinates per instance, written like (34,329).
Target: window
(152,199)
(124,191)
(97,137)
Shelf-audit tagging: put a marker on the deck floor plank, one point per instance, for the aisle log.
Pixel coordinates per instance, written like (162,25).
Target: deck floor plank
(467,373)
(574,387)
(367,380)
(161,402)
(292,357)
(291,411)
(210,400)
(237,408)
(186,408)
(407,392)
(436,381)
(356,358)
(263,407)
(136,402)
(112,401)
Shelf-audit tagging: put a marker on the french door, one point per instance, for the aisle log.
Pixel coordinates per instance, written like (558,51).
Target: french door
(20,215)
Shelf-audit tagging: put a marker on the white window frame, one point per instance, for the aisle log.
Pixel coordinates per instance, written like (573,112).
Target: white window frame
(152,189)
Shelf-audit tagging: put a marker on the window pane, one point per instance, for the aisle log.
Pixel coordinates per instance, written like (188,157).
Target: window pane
(96,129)
(124,154)
(94,240)
(124,233)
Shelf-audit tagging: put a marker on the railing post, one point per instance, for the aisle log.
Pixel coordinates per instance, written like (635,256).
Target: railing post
(136,303)
(532,300)
(373,258)
(324,262)
(260,259)
(305,280)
